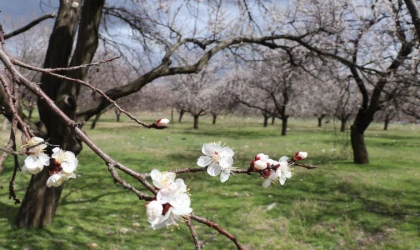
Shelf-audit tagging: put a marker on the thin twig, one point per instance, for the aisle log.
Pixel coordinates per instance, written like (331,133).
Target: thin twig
(48,71)
(29,25)
(218,229)
(12,99)
(197,242)
(80,66)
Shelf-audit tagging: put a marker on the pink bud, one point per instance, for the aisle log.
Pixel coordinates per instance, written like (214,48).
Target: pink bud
(162,122)
(300,156)
(260,165)
(261,156)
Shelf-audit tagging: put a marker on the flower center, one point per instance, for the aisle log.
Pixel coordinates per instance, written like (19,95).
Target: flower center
(215,157)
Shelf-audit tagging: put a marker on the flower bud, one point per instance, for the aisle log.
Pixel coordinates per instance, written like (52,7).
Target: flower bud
(261,156)
(162,122)
(300,156)
(154,209)
(260,165)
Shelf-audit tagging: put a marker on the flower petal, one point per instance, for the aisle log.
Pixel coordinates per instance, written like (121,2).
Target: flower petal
(204,161)
(210,148)
(266,183)
(283,159)
(224,176)
(282,179)
(214,169)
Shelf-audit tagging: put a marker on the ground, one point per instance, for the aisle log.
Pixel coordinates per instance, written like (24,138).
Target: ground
(340,205)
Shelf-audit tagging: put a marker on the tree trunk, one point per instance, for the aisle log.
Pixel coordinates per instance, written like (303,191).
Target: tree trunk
(118,115)
(284,125)
(172,114)
(266,121)
(30,111)
(181,114)
(93,125)
(40,203)
(319,122)
(273,118)
(360,154)
(343,125)
(214,119)
(386,122)
(196,121)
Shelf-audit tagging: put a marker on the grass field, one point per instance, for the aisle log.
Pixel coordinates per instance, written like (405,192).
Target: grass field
(340,205)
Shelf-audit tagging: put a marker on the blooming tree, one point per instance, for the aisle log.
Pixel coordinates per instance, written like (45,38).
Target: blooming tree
(344,32)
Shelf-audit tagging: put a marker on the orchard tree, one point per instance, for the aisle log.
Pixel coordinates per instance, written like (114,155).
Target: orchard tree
(272,86)
(52,163)
(345,32)
(349,34)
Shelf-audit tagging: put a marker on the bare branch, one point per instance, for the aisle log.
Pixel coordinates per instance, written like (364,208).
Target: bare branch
(29,25)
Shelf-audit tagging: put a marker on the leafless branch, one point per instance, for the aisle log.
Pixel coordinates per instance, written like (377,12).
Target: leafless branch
(29,25)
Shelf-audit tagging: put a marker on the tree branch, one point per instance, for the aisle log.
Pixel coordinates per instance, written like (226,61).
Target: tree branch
(29,25)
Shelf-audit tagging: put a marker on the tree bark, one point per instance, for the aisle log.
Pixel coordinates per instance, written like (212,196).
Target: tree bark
(386,122)
(214,119)
(273,119)
(30,111)
(117,115)
(266,121)
(196,121)
(343,125)
(360,154)
(284,125)
(320,118)
(181,114)
(93,125)
(40,203)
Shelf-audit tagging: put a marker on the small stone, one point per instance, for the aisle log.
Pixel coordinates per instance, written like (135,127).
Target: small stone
(135,224)
(93,245)
(124,230)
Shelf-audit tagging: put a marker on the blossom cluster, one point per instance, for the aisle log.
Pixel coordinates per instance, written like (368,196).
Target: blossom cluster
(172,200)
(62,164)
(274,171)
(218,160)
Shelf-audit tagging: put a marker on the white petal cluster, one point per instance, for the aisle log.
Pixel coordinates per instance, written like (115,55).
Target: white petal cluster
(65,163)
(218,160)
(172,201)
(283,171)
(36,159)
(272,170)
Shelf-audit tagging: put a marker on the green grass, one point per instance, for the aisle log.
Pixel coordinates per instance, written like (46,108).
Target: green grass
(340,205)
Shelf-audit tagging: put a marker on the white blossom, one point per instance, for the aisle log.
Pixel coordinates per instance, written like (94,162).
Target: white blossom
(283,171)
(36,159)
(273,177)
(66,159)
(65,162)
(172,201)
(56,180)
(217,159)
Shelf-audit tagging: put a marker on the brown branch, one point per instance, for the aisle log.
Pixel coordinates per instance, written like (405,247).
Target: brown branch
(50,72)
(219,229)
(78,131)
(164,68)
(12,194)
(197,242)
(12,106)
(74,67)
(29,25)
(415,16)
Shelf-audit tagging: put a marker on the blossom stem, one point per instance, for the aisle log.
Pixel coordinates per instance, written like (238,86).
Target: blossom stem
(197,242)
(219,229)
